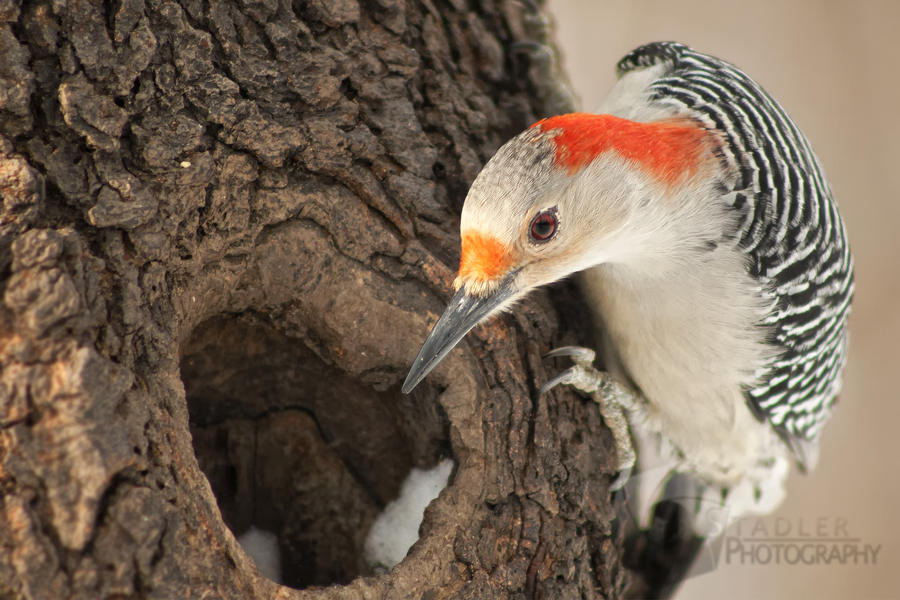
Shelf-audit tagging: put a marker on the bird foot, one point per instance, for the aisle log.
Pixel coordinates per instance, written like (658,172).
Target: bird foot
(611,397)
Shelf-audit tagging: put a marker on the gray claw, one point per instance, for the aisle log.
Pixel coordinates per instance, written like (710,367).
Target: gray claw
(582,356)
(583,379)
(565,377)
(621,479)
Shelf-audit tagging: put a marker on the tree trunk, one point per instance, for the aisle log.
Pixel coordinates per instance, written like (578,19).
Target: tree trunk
(226,229)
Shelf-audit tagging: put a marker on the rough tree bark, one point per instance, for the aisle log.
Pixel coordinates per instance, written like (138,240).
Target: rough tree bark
(226,227)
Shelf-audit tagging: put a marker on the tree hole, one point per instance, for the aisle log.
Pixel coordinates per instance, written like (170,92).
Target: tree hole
(294,446)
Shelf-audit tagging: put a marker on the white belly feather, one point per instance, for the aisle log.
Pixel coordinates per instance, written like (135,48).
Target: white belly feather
(691,354)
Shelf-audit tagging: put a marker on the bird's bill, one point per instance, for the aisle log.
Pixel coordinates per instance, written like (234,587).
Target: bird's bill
(463,313)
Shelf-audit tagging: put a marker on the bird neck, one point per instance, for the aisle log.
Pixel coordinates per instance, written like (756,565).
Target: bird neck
(646,225)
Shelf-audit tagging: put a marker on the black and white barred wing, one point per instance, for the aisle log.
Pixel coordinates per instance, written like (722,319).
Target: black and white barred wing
(791,232)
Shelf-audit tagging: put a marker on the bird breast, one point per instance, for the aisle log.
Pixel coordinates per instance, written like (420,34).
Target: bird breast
(689,338)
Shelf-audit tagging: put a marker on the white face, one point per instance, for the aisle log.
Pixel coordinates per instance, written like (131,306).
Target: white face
(524,214)
(545,207)
(525,223)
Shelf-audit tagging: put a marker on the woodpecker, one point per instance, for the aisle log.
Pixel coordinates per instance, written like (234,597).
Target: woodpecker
(709,249)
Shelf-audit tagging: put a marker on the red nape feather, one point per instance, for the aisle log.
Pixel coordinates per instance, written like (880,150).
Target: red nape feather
(669,150)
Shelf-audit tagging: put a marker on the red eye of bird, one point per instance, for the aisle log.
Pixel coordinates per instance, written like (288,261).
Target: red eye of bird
(543,226)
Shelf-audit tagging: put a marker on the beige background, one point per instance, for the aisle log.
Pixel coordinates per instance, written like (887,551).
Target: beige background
(835,67)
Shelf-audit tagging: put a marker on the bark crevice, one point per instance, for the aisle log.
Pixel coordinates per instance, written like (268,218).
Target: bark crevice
(225,230)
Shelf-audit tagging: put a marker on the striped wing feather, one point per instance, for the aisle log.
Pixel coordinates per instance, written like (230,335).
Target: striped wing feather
(790,229)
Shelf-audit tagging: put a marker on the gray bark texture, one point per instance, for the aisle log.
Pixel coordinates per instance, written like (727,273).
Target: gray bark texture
(226,228)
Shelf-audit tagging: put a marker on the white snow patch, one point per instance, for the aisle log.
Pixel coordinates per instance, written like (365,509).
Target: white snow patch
(397,528)
(262,546)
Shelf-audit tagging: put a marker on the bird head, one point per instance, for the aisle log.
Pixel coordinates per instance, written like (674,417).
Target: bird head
(558,198)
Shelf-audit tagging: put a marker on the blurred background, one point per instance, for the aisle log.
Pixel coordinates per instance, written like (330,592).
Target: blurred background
(835,67)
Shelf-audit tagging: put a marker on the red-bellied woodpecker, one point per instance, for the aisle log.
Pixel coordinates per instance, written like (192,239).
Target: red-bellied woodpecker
(709,248)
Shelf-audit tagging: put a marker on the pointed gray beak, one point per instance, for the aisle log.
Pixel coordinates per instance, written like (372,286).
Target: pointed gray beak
(462,314)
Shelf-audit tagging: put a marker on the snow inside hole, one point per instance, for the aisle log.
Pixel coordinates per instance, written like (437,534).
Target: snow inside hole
(293,446)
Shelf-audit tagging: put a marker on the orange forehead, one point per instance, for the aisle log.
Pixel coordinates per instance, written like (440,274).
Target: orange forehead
(484,258)
(668,149)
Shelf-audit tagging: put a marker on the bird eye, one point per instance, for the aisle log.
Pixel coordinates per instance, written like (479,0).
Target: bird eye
(543,226)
